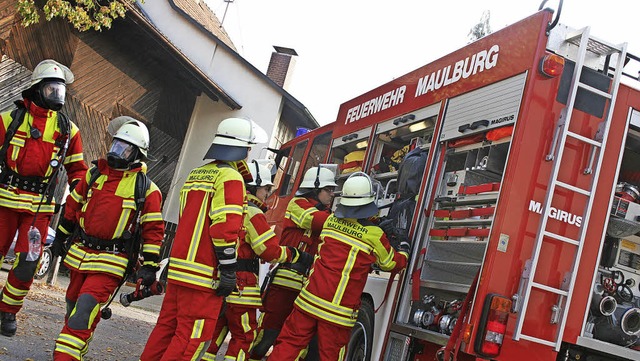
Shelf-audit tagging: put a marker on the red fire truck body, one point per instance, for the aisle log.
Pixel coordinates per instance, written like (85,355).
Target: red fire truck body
(525,205)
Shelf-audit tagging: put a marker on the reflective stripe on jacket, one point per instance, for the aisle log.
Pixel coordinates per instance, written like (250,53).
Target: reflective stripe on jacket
(106,211)
(259,242)
(348,248)
(300,229)
(31,157)
(212,202)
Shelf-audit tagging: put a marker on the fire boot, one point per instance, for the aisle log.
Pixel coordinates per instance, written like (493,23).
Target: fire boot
(8,325)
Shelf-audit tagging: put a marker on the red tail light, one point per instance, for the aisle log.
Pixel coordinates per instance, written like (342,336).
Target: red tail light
(551,65)
(493,325)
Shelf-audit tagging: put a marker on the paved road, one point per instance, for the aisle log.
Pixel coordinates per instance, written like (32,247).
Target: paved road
(121,338)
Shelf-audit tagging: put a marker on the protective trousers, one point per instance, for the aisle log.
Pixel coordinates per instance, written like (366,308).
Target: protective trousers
(277,305)
(86,293)
(297,333)
(185,325)
(241,322)
(21,274)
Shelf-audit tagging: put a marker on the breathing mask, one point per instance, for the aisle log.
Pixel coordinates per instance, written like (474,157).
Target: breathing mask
(121,154)
(52,93)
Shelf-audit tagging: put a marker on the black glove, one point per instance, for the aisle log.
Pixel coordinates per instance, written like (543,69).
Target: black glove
(148,274)
(387,227)
(300,261)
(59,245)
(227,280)
(227,267)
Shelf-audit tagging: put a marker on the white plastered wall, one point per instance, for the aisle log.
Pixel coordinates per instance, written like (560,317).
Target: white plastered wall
(259,100)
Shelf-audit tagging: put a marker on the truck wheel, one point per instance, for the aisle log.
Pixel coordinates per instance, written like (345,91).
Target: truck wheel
(361,341)
(44,265)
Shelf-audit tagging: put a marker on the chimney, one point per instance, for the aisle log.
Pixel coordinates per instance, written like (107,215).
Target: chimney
(281,65)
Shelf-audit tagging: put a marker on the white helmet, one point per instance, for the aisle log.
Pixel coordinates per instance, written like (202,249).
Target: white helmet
(316,178)
(49,68)
(233,139)
(261,175)
(130,132)
(136,134)
(358,197)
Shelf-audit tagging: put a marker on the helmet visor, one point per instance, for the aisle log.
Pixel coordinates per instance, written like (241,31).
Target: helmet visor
(123,150)
(53,92)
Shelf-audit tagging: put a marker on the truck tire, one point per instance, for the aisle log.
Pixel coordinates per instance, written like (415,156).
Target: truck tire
(361,341)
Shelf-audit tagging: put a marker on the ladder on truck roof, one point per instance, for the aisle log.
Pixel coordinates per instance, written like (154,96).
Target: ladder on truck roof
(585,44)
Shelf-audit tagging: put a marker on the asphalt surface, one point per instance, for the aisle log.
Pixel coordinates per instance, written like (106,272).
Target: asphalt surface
(121,338)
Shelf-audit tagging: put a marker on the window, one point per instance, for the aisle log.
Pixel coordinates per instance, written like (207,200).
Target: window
(293,167)
(318,152)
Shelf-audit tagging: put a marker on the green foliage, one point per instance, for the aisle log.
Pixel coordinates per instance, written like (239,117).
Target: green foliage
(82,14)
(481,29)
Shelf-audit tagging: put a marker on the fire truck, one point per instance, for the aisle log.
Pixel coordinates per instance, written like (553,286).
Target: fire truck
(513,164)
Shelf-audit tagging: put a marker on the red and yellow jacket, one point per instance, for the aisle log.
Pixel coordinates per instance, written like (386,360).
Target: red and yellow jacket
(300,229)
(348,248)
(259,242)
(105,211)
(212,203)
(31,157)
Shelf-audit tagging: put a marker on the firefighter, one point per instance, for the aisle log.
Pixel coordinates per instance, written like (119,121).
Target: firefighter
(36,139)
(110,226)
(304,217)
(329,301)
(259,242)
(202,264)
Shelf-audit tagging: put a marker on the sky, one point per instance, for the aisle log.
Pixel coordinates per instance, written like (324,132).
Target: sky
(346,48)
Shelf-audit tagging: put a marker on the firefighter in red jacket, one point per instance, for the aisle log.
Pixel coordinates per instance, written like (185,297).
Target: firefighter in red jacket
(329,302)
(32,155)
(203,260)
(109,225)
(259,242)
(304,217)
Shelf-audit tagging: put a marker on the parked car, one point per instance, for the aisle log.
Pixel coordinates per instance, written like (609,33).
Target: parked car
(45,261)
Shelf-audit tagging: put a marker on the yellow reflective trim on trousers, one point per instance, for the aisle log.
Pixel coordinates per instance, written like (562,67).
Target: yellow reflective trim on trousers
(194,243)
(312,299)
(245,321)
(208,357)
(198,353)
(196,330)
(361,246)
(222,336)
(320,313)
(343,351)
(15,291)
(11,301)
(151,217)
(345,276)
(69,351)
(71,340)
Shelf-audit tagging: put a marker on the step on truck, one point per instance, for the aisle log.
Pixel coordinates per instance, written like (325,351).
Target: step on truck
(513,164)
